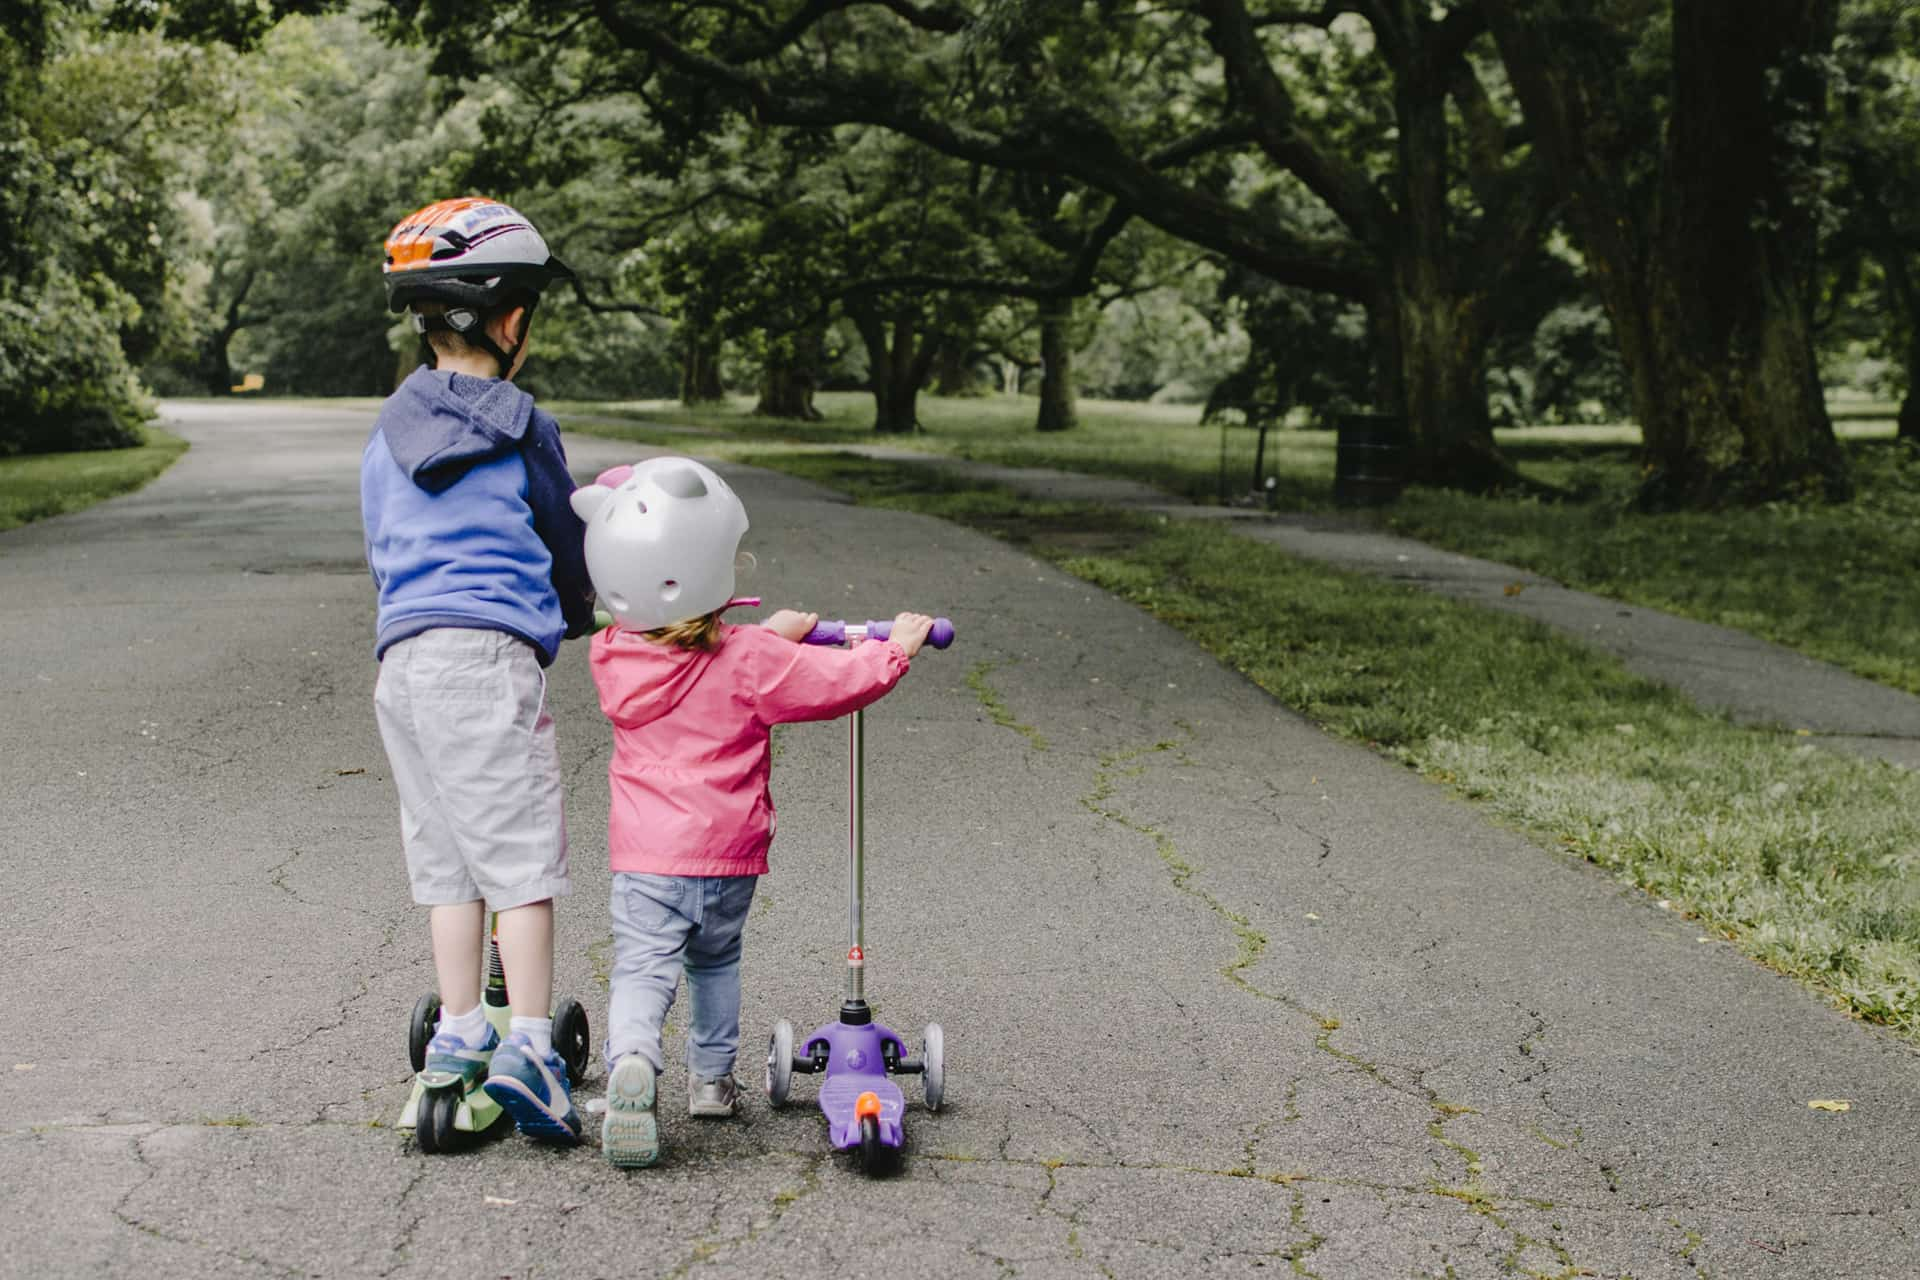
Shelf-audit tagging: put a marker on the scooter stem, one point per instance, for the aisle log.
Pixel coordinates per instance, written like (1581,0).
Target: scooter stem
(854,1008)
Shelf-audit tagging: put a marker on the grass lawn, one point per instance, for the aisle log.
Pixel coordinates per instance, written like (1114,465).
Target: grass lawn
(1807,860)
(1832,582)
(1163,445)
(50,484)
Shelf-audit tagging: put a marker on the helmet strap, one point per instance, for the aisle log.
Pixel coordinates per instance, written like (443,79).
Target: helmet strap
(470,323)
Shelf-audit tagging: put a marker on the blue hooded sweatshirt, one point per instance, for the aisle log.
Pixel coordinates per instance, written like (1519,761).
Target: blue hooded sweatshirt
(463,492)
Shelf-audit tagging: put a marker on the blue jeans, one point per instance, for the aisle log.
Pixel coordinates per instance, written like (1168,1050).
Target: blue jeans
(662,924)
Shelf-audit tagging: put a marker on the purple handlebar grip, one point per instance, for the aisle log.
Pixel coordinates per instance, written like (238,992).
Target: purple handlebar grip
(940,636)
(827,633)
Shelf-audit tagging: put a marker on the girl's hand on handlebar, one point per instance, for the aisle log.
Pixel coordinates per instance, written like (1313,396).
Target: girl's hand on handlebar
(910,631)
(790,625)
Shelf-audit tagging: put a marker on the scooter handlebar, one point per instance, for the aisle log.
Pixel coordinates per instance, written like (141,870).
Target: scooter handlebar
(839,632)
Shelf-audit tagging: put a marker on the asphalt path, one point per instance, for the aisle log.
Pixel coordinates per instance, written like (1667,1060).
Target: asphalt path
(1222,996)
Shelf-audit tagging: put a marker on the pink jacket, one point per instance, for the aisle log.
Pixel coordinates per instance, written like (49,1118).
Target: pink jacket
(691,752)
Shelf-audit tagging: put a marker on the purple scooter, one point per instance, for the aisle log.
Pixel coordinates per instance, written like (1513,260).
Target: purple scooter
(863,1106)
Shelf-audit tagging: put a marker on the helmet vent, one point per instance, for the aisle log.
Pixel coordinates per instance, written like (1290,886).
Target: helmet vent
(669,590)
(682,482)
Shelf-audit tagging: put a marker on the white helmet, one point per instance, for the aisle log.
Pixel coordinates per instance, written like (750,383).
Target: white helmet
(661,540)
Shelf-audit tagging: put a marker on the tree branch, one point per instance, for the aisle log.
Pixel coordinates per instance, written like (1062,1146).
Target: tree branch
(605,308)
(1342,186)
(1061,140)
(945,19)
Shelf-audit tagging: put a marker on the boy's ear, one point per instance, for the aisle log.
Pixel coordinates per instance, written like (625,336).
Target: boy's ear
(588,499)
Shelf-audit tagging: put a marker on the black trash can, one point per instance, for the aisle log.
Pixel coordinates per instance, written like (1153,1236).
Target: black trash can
(1369,468)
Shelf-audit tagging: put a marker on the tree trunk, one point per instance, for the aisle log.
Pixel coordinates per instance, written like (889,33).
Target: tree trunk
(953,370)
(792,372)
(786,391)
(1710,291)
(1441,346)
(1058,411)
(216,364)
(898,365)
(215,368)
(700,367)
(1432,330)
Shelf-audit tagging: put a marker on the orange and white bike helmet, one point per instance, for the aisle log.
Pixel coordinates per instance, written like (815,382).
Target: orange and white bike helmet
(476,256)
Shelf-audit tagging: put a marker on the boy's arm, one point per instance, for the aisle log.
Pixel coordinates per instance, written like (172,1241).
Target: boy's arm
(548,487)
(809,682)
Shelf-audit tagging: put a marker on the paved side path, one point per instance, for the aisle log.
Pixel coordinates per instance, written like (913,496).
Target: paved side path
(1753,680)
(1222,996)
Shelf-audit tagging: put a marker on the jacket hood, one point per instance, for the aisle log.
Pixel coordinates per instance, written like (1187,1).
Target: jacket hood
(653,677)
(439,424)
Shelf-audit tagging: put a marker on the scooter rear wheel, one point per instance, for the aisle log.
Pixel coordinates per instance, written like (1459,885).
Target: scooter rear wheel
(420,1029)
(933,1058)
(572,1039)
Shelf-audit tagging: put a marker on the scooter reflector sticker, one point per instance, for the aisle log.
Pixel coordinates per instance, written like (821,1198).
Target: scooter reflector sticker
(856,957)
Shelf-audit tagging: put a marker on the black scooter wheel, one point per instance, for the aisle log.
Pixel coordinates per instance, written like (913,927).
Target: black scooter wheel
(572,1039)
(434,1128)
(874,1157)
(420,1029)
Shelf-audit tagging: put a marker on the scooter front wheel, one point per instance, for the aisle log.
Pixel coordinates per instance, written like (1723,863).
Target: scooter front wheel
(874,1156)
(780,1063)
(434,1130)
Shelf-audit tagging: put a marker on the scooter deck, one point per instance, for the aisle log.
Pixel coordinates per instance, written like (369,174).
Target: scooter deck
(856,1065)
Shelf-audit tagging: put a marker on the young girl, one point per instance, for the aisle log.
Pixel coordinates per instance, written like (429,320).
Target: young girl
(692,699)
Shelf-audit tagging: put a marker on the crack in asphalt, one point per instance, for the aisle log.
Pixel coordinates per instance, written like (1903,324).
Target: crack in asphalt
(1251,945)
(995,704)
(712,1245)
(404,1242)
(122,1214)
(1514,1251)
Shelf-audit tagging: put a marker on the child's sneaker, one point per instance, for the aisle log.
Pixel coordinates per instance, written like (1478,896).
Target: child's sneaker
(718,1096)
(449,1054)
(630,1135)
(533,1089)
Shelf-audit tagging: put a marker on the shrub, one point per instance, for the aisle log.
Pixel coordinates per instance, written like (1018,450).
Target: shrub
(64,379)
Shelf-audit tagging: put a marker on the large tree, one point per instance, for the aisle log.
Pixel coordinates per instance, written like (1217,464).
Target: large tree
(1697,220)
(1425,220)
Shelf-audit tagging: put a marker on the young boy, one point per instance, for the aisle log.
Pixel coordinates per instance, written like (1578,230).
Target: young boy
(478,560)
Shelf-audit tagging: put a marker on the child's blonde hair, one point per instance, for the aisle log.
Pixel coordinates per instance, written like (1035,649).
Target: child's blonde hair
(689,633)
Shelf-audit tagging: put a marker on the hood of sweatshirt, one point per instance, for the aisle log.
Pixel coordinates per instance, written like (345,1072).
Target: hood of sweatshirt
(641,681)
(438,424)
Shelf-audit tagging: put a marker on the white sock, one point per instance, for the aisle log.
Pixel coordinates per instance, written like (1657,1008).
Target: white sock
(538,1030)
(470,1026)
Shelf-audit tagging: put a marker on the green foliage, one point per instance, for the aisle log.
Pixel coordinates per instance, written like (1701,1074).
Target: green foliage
(83,221)
(580,355)
(1305,350)
(1567,370)
(63,378)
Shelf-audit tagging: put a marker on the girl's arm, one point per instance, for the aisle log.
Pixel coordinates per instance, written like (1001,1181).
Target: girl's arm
(804,682)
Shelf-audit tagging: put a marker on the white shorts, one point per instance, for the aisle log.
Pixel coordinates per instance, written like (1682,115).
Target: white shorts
(464,718)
